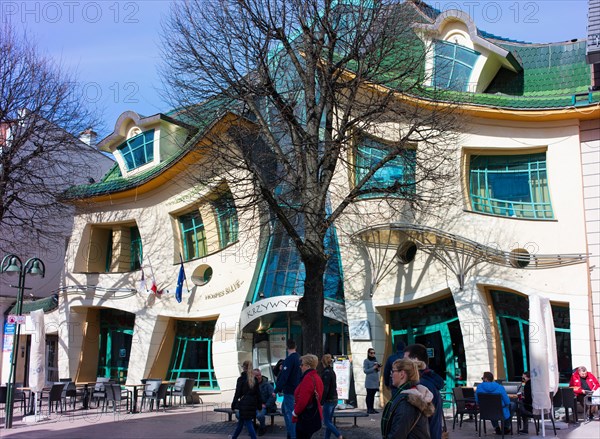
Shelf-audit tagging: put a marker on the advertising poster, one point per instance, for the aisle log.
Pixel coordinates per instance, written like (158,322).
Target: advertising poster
(341,367)
(277,342)
(7,342)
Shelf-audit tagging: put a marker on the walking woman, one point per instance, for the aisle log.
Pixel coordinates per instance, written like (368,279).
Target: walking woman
(308,412)
(330,396)
(405,416)
(371,368)
(247,400)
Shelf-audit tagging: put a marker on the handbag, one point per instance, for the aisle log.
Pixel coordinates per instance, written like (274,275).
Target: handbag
(309,421)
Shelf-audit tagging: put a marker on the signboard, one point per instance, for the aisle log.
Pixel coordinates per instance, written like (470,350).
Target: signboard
(7,342)
(430,353)
(277,344)
(359,330)
(341,367)
(15,319)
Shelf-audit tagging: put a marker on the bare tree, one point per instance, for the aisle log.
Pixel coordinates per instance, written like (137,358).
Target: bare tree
(306,78)
(41,115)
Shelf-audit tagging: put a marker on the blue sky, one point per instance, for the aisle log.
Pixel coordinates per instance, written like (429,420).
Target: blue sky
(113,45)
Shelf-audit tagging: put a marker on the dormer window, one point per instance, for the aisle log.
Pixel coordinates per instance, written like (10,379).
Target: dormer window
(453,65)
(138,150)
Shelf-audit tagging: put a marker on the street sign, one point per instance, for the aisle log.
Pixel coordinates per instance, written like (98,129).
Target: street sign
(15,319)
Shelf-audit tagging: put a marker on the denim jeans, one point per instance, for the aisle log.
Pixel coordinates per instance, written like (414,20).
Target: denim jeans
(249,423)
(287,407)
(260,415)
(328,409)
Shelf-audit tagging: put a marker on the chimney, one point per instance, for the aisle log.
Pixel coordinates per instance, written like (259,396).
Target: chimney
(89,137)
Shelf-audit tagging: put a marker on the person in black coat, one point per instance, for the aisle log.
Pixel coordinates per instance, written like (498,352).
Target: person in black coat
(330,397)
(526,405)
(246,400)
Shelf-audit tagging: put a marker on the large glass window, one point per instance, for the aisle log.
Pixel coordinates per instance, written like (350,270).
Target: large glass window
(192,354)
(192,235)
(227,220)
(135,249)
(138,150)
(512,319)
(510,185)
(399,171)
(453,65)
(116,333)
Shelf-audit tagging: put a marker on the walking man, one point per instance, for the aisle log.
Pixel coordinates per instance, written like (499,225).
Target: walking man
(287,381)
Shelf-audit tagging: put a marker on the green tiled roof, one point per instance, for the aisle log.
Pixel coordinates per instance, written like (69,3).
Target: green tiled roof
(548,69)
(47,304)
(201,116)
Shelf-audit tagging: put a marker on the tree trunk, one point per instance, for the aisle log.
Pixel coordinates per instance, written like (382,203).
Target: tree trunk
(311,306)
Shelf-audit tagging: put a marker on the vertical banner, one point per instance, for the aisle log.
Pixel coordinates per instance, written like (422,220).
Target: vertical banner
(341,367)
(37,362)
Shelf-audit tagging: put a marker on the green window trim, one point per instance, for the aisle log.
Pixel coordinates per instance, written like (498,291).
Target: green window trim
(227,220)
(510,185)
(135,249)
(453,65)
(109,251)
(400,170)
(138,150)
(193,236)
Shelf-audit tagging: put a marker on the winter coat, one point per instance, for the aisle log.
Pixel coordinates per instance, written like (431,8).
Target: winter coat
(497,389)
(372,378)
(290,374)
(247,400)
(527,397)
(434,384)
(405,416)
(329,386)
(267,394)
(305,391)
(576,380)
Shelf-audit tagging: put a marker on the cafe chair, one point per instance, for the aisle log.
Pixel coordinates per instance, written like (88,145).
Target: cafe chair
(54,395)
(99,392)
(589,401)
(569,402)
(19,395)
(70,391)
(464,406)
(154,391)
(490,409)
(183,388)
(115,396)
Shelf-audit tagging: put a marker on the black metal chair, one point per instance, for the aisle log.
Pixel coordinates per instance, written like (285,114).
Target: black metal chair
(490,409)
(464,406)
(70,391)
(19,395)
(54,395)
(569,402)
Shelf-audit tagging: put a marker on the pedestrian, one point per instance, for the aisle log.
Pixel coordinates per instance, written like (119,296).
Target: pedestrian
(405,415)
(287,381)
(434,384)
(330,396)
(277,368)
(371,368)
(267,396)
(308,413)
(387,370)
(246,400)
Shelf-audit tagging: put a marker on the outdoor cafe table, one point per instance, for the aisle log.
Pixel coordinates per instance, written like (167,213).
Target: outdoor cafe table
(86,391)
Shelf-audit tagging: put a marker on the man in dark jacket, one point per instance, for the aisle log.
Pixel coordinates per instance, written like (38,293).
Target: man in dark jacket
(267,394)
(387,370)
(433,382)
(287,381)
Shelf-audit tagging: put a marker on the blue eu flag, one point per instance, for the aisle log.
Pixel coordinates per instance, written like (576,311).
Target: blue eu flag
(180,280)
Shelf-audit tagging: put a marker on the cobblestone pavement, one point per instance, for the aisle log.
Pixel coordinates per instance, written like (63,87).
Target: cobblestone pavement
(201,422)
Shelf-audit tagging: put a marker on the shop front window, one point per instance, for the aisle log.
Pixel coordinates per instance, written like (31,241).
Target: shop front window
(192,354)
(116,333)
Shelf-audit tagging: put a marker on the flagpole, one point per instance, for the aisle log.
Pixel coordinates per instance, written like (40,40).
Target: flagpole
(186,282)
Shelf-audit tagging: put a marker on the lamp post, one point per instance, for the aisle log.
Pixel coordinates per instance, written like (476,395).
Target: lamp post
(12,264)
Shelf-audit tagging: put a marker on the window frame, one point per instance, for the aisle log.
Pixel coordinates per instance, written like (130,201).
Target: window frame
(129,148)
(536,170)
(201,245)
(451,79)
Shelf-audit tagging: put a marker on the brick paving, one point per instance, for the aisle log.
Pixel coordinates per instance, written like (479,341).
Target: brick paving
(201,422)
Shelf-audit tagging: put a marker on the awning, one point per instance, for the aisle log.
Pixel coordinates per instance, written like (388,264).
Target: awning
(46,304)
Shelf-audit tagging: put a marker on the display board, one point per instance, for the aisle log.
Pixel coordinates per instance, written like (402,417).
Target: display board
(342,368)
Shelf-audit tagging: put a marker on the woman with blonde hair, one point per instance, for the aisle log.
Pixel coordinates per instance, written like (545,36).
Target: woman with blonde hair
(246,400)
(405,416)
(308,413)
(329,399)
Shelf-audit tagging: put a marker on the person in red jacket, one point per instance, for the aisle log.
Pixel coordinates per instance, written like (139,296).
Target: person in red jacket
(308,413)
(583,381)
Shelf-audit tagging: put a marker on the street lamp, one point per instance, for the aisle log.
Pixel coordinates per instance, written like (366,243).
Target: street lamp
(12,264)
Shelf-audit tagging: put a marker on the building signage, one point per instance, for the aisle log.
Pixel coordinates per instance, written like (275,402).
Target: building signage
(15,319)
(9,337)
(228,290)
(272,305)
